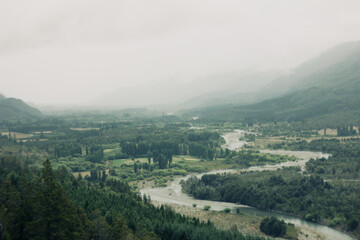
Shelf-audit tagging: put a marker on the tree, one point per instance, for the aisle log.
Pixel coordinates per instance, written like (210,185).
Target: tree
(120,230)
(10,207)
(273,227)
(55,216)
(100,228)
(104,176)
(353,224)
(149,157)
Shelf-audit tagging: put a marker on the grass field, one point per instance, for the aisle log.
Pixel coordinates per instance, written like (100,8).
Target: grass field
(84,129)
(17,135)
(86,173)
(128,161)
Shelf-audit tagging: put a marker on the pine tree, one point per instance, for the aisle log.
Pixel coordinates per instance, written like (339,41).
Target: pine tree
(120,230)
(55,216)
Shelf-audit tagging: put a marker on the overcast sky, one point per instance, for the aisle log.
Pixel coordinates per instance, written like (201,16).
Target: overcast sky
(70,51)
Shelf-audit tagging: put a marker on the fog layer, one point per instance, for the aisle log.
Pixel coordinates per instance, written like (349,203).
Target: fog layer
(62,52)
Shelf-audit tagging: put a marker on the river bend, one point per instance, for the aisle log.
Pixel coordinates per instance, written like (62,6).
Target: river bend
(172,194)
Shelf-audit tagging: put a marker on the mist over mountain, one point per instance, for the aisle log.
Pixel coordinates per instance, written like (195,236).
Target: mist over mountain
(175,92)
(238,88)
(328,94)
(233,89)
(294,80)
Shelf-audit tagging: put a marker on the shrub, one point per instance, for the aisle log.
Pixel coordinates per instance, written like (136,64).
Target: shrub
(207,207)
(227,210)
(273,227)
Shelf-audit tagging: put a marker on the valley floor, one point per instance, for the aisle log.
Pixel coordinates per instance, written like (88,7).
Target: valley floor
(247,224)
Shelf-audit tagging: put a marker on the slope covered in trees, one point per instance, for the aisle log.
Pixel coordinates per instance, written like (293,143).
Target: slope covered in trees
(35,205)
(16,109)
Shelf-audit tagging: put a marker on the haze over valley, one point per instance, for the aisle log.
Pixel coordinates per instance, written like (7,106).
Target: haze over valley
(105,54)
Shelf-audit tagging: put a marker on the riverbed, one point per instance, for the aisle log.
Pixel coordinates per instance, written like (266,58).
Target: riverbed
(233,141)
(172,194)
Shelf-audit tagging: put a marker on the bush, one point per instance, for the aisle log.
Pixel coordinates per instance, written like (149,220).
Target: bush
(207,207)
(273,227)
(227,210)
(194,204)
(353,224)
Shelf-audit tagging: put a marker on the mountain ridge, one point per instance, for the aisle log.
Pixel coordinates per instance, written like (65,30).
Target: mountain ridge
(16,109)
(329,96)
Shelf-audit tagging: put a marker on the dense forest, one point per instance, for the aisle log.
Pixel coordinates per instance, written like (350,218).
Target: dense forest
(35,205)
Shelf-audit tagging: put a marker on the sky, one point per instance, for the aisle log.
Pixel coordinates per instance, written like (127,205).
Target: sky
(72,51)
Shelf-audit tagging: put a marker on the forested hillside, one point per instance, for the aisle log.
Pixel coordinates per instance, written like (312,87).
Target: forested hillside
(35,205)
(16,109)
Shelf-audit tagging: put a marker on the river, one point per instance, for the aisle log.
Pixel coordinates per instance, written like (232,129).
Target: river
(173,194)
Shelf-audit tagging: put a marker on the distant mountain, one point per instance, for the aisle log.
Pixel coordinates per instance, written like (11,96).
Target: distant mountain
(219,98)
(292,81)
(270,84)
(231,89)
(16,109)
(327,95)
(179,92)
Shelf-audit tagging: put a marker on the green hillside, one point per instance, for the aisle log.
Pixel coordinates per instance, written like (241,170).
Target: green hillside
(16,109)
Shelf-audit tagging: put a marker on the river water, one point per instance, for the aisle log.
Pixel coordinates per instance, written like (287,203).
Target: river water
(172,194)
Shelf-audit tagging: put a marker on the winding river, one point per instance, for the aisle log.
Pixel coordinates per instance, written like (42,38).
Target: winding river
(172,194)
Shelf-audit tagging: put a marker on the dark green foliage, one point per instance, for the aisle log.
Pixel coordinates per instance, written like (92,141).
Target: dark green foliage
(353,224)
(263,193)
(198,144)
(15,109)
(346,131)
(332,203)
(227,210)
(273,227)
(141,215)
(33,205)
(120,230)
(67,149)
(207,207)
(343,163)
(204,136)
(96,154)
(39,209)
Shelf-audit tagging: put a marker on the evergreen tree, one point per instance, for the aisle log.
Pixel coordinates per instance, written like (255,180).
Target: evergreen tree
(120,230)
(55,217)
